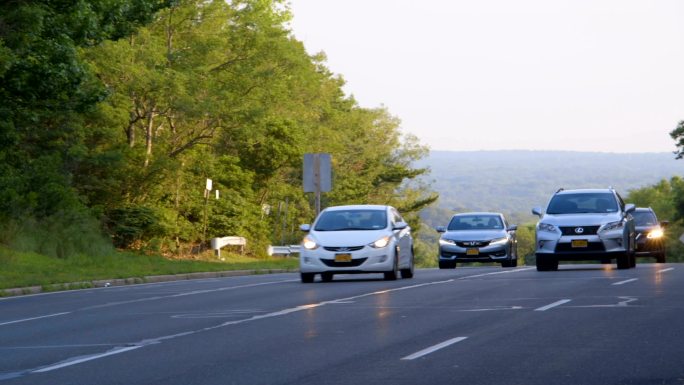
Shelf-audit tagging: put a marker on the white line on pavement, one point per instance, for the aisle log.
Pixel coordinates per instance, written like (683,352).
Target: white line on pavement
(86,359)
(625,281)
(434,348)
(78,360)
(552,305)
(33,318)
(664,270)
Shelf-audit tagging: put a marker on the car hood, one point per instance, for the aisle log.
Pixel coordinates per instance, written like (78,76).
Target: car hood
(596,219)
(348,238)
(643,229)
(473,235)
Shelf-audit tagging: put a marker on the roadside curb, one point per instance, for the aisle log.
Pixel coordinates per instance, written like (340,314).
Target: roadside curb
(134,281)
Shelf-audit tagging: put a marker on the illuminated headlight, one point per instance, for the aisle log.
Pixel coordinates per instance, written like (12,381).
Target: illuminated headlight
(547,227)
(443,241)
(309,243)
(380,243)
(617,225)
(655,234)
(498,241)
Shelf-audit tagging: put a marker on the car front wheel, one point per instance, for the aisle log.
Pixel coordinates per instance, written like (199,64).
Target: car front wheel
(392,274)
(408,272)
(307,277)
(624,261)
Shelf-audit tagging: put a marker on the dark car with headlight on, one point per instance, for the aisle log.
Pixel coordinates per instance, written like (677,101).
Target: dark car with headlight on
(478,237)
(650,234)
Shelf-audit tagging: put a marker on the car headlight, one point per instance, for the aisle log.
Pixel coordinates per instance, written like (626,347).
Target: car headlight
(547,227)
(380,243)
(443,241)
(498,241)
(309,243)
(617,225)
(655,234)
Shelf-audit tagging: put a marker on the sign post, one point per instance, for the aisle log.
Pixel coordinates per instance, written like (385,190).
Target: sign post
(317,176)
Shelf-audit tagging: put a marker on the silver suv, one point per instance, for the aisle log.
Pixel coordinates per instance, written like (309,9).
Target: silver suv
(587,224)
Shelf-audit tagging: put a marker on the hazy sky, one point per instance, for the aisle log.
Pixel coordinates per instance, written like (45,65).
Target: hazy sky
(584,75)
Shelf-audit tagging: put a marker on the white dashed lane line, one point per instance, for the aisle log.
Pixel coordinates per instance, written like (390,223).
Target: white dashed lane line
(625,281)
(433,348)
(552,305)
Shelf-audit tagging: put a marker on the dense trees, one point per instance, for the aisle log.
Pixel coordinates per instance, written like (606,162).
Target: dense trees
(138,118)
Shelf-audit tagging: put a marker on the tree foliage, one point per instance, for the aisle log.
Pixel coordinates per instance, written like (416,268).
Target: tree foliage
(120,109)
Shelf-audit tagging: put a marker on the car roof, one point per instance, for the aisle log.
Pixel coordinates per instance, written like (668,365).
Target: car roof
(585,191)
(357,207)
(478,213)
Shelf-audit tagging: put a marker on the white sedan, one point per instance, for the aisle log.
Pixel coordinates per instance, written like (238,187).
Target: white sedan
(357,239)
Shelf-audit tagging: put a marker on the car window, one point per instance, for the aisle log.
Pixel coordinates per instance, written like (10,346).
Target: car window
(396,217)
(644,218)
(475,222)
(583,203)
(338,220)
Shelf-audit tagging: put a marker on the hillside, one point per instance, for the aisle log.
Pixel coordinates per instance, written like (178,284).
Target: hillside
(515,181)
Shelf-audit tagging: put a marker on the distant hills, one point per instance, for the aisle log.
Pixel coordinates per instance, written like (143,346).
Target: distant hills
(515,181)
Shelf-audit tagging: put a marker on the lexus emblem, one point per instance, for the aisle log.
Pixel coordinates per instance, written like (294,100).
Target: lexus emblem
(579,230)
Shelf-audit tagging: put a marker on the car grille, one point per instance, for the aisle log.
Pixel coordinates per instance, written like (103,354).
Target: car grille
(591,247)
(482,255)
(343,249)
(588,230)
(472,243)
(353,263)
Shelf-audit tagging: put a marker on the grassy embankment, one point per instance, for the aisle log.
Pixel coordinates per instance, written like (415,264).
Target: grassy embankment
(23,269)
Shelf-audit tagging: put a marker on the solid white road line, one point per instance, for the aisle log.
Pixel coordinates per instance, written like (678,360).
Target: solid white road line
(86,359)
(34,318)
(552,305)
(625,281)
(434,348)
(664,270)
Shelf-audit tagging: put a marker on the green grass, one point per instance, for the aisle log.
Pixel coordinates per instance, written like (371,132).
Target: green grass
(23,269)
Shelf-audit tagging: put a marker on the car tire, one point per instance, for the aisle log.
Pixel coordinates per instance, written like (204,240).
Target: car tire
(327,277)
(392,274)
(408,273)
(623,262)
(546,264)
(510,263)
(660,258)
(606,261)
(307,277)
(447,264)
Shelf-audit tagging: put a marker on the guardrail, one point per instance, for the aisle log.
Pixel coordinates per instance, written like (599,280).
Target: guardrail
(283,250)
(218,243)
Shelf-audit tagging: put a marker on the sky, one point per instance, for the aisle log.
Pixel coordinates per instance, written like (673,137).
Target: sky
(576,75)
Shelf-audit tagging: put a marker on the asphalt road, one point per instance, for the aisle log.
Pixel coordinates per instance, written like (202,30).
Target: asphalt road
(584,324)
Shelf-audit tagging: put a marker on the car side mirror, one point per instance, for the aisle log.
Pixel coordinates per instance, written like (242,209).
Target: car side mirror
(664,223)
(440,229)
(305,227)
(537,211)
(399,226)
(512,228)
(630,207)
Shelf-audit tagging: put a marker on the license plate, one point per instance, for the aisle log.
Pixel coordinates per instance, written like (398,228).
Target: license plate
(473,252)
(343,258)
(579,243)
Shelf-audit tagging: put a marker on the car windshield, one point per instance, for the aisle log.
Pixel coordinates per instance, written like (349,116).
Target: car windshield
(644,218)
(340,220)
(582,203)
(475,222)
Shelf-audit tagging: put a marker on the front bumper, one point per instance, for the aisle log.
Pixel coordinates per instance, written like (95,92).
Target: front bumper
(495,253)
(365,260)
(578,248)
